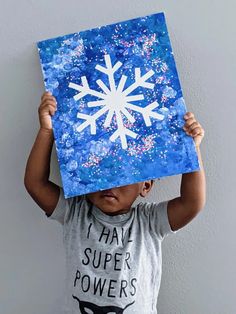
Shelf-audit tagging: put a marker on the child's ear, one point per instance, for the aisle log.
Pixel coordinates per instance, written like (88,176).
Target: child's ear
(146,187)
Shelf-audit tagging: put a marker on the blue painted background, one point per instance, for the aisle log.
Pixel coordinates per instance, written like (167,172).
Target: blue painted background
(90,162)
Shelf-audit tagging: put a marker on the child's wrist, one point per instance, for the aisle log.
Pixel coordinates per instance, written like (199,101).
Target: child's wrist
(46,131)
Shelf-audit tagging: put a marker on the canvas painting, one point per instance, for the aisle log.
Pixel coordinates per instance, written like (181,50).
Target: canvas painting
(120,105)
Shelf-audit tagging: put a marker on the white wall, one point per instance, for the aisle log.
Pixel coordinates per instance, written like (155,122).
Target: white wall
(199,274)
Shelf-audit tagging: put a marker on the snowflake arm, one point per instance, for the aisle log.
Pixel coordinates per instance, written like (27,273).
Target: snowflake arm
(121,83)
(84,89)
(109,71)
(140,81)
(147,112)
(90,120)
(122,131)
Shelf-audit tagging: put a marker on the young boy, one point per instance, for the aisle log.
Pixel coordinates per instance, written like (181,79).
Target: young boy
(113,249)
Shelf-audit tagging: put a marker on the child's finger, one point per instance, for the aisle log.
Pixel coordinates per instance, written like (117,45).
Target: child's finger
(189,122)
(196,131)
(47,106)
(47,102)
(47,109)
(188,115)
(47,96)
(193,126)
(50,100)
(51,110)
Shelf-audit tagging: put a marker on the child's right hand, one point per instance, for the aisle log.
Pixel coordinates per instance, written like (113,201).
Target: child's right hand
(47,108)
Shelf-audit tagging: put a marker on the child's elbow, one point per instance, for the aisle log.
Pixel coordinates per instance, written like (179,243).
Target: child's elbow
(196,206)
(200,205)
(27,184)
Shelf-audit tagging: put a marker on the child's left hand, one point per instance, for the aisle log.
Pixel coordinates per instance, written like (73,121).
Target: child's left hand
(193,128)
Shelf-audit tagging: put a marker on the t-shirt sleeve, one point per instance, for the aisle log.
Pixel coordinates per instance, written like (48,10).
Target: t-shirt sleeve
(158,219)
(61,209)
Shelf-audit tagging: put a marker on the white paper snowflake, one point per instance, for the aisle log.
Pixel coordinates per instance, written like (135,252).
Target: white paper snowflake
(115,101)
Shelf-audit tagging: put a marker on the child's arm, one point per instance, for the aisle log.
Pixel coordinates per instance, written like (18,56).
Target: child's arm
(44,192)
(183,209)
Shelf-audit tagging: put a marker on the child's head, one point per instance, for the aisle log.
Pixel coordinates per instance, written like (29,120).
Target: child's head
(119,200)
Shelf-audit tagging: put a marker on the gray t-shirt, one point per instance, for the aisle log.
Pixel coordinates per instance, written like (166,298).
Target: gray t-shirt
(114,263)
